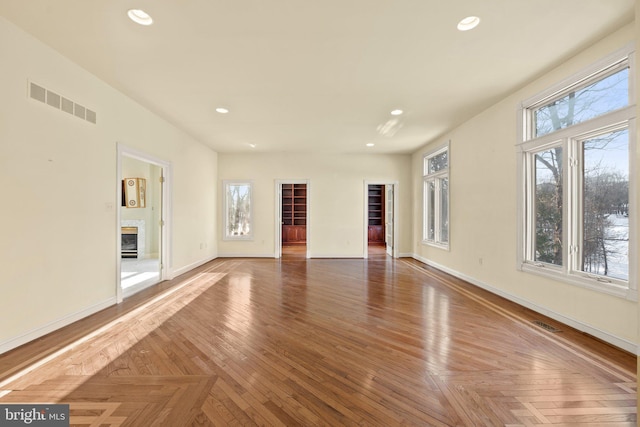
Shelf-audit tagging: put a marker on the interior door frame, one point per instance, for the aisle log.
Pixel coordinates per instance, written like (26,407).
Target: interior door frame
(389,213)
(165,215)
(366,216)
(278,215)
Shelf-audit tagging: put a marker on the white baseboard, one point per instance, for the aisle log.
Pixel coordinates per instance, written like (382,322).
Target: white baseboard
(230,255)
(576,324)
(318,256)
(177,272)
(325,256)
(322,256)
(54,325)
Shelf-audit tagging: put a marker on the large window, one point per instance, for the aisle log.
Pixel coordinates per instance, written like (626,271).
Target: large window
(436,198)
(576,218)
(238,222)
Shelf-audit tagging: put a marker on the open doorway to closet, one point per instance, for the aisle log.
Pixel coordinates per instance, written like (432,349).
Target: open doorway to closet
(292,234)
(379,219)
(142,249)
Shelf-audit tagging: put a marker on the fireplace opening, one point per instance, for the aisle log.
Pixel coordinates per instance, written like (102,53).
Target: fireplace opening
(129,242)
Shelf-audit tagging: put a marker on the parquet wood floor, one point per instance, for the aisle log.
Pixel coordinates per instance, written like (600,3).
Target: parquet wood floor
(377,342)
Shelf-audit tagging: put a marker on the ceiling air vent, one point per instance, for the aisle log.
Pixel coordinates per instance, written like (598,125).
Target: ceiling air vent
(59,102)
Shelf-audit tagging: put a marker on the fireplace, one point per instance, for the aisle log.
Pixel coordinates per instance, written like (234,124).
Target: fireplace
(136,226)
(129,242)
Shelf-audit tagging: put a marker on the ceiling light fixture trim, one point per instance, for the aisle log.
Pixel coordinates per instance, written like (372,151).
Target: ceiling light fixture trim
(222,110)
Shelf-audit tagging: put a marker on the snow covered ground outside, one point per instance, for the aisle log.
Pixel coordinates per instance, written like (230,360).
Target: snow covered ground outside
(617,245)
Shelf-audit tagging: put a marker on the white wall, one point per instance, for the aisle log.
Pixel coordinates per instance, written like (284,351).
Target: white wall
(335,198)
(58,182)
(484,214)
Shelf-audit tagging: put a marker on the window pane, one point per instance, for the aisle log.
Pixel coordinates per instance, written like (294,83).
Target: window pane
(438,162)
(238,210)
(598,98)
(605,247)
(548,201)
(431,210)
(444,210)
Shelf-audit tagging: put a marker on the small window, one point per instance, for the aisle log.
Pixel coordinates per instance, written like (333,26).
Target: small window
(238,222)
(436,198)
(438,162)
(600,97)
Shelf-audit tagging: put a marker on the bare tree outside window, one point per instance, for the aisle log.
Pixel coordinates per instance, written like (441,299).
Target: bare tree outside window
(444,210)
(438,162)
(238,210)
(431,210)
(598,98)
(605,249)
(549,201)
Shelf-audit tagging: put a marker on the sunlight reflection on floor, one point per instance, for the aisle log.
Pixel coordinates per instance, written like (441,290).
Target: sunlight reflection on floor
(135,271)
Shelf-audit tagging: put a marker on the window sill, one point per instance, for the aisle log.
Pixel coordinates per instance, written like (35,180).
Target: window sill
(238,238)
(584,282)
(436,245)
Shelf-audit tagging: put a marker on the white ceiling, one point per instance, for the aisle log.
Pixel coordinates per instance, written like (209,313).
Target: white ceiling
(308,75)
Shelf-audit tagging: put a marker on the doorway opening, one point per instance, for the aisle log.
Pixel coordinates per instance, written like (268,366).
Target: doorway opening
(292,233)
(142,231)
(380,225)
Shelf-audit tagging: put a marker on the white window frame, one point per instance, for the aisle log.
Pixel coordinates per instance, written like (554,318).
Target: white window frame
(569,139)
(225,204)
(436,178)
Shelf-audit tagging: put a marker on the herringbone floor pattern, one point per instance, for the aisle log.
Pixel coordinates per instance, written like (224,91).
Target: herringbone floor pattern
(322,342)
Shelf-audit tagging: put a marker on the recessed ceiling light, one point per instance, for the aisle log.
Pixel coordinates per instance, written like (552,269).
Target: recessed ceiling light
(468,23)
(140,17)
(370,144)
(222,110)
(396,112)
(252,145)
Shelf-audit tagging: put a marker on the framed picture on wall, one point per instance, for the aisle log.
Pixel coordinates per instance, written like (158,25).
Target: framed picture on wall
(134,192)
